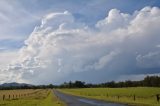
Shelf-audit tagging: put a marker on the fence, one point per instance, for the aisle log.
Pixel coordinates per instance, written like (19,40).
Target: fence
(119,97)
(14,96)
(157,97)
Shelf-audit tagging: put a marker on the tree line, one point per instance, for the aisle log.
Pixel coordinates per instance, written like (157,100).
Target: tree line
(149,81)
(27,87)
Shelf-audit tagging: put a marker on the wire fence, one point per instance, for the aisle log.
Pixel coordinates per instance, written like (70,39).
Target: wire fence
(131,97)
(16,95)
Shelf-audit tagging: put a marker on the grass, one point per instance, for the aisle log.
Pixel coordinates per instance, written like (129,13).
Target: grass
(29,98)
(144,96)
(52,100)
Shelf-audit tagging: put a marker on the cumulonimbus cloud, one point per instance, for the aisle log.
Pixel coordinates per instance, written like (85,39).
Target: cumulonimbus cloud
(61,46)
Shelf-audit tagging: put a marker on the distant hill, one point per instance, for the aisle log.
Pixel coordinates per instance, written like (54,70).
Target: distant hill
(15,84)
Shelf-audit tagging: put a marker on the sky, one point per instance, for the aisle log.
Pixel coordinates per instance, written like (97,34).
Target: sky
(53,41)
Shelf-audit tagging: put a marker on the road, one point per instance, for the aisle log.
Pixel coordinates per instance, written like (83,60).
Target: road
(71,100)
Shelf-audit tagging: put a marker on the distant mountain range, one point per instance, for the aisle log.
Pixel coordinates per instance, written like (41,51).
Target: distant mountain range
(14,84)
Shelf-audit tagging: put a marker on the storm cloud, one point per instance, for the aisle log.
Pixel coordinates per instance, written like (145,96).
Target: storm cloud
(119,45)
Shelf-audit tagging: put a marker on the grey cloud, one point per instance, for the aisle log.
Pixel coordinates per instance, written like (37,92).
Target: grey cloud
(150,60)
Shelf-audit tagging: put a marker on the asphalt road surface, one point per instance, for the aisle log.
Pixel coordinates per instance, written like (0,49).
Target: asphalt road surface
(71,100)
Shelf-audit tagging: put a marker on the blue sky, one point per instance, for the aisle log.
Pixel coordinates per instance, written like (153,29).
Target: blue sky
(21,52)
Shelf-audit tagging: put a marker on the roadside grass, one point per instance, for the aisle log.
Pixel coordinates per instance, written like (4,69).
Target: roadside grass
(52,100)
(139,96)
(35,98)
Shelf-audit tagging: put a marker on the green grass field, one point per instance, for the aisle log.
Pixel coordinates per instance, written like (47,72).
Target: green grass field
(144,96)
(29,98)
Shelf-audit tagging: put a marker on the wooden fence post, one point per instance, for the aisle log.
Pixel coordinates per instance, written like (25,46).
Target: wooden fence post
(9,96)
(158,97)
(106,95)
(118,97)
(134,97)
(3,97)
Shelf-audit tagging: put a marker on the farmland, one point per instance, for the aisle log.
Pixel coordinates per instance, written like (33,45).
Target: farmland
(140,96)
(30,97)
